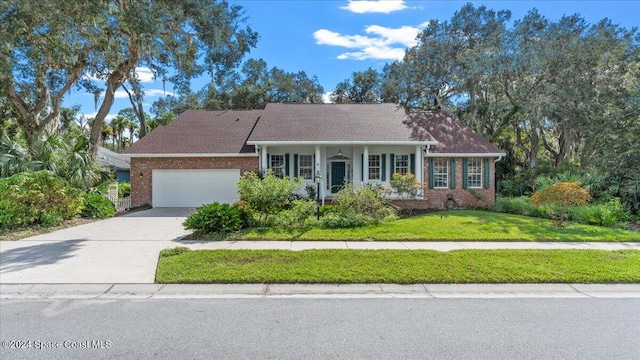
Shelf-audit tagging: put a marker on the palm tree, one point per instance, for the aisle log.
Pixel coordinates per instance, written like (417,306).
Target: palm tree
(106,132)
(133,127)
(119,124)
(14,156)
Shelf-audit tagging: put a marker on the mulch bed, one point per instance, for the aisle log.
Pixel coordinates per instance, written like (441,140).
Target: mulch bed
(29,231)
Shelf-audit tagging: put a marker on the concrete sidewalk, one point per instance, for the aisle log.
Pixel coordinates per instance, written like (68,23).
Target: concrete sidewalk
(207,291)
(82,261)
(402,245)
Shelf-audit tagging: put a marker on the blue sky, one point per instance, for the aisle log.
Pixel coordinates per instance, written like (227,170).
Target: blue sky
(333,39)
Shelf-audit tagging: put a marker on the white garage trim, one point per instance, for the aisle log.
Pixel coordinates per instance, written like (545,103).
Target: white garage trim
(193,187)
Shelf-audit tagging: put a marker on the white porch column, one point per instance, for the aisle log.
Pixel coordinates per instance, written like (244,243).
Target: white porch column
(318,171)
(419,165)
(365,165)
(318,162)
(264,160)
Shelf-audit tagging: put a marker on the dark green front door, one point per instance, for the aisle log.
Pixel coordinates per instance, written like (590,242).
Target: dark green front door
(337,175)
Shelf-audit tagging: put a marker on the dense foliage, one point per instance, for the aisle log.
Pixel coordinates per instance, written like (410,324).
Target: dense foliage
(299,215)
(65,153)
(215,218)
(97,206)
(562,194)
(609,214)
(555,95)
(37,198)
(406,186)
(358,206)
(52,46)
(267,195)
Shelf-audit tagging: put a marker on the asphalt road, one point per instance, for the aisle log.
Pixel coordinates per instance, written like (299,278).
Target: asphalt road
(321,329)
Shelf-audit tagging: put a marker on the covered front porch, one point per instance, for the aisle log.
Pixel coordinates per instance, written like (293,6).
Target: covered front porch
(336,164)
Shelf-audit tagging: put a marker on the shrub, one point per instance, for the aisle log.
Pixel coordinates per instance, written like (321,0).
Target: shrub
(519,206)
(37,198)
(610,214)
(311,191)
(328,209)
(366,201)
(336,220)
(215,218)
(97,206)
(298,216)
(406,186)
(124,189)
(563,194)
(245,211)
(268,195)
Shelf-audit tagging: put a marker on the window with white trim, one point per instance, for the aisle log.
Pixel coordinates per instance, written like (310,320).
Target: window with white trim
(374,167)
(402,164)
(277,164)
(440,174)
(474,173)
(305,167)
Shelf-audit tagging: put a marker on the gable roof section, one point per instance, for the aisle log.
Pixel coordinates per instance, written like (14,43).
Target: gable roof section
(326,123)
(112,159)
(453,136)
(206,132)
(201,132)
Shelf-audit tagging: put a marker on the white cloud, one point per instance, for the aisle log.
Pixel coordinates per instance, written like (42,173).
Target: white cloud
(157,92)
(109,117)
(326,97)
(145,74)
(382,43)
(373,6)
(121,94)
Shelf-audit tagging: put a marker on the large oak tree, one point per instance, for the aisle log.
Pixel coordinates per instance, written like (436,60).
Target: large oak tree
(48,47)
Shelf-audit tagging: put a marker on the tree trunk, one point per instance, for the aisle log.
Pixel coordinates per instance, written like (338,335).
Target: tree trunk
(136,105)
(114,81)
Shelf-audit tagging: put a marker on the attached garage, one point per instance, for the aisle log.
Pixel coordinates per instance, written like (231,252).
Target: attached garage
(193,187)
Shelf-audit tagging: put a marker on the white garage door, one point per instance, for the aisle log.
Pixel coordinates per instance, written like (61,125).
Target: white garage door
(192,188)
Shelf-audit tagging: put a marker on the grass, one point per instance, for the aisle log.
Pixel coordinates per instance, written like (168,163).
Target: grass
(464,225)
(399,266)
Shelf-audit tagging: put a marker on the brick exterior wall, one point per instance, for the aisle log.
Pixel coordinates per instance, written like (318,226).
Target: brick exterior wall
(141,170)
(435,198)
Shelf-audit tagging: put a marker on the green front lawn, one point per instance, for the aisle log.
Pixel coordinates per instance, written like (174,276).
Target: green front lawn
(464,225)
(399,266)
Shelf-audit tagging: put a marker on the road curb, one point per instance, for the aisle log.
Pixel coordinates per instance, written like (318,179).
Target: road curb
(222,291)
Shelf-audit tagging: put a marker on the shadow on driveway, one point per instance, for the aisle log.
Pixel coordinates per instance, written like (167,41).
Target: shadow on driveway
(37,255)
(162,212)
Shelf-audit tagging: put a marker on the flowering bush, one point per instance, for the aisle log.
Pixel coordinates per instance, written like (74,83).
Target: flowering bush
(563,194)
(406,186)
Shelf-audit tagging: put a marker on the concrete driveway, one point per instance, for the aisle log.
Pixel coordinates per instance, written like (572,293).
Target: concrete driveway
(122,249)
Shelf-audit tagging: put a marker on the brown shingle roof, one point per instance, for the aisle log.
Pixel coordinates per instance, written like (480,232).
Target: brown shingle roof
(335,122)
(453,136)
(201,132)
(214,132)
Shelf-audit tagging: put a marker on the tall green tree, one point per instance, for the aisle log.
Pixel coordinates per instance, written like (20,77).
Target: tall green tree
(252,87)
(50,46)
(43,55)
(362,88)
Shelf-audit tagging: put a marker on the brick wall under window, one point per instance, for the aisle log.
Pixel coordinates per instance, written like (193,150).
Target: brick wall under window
(435,198)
